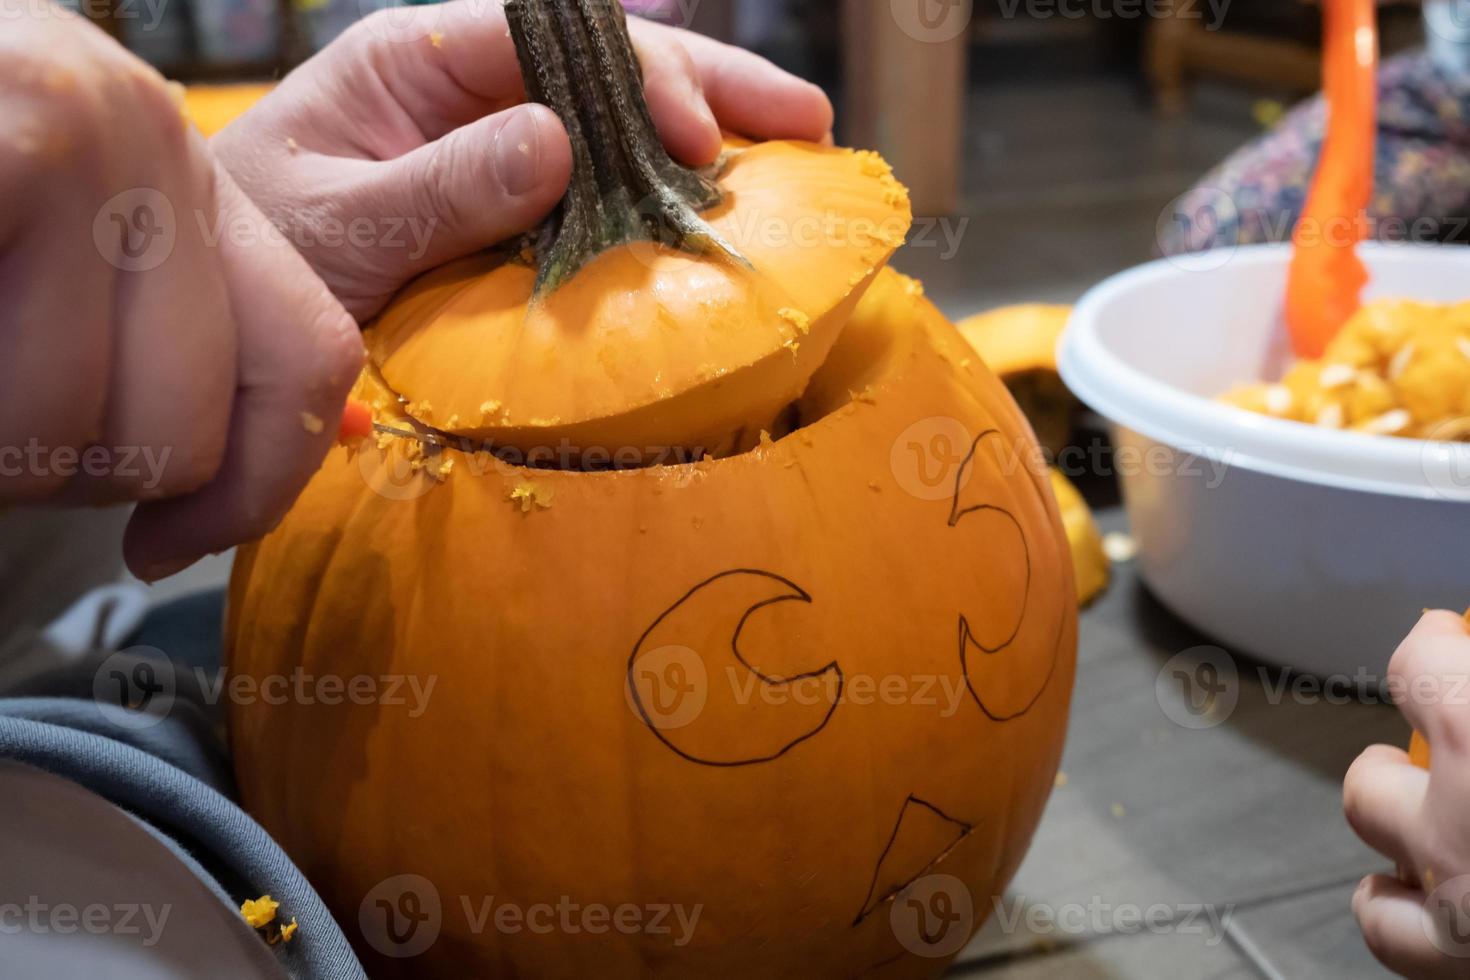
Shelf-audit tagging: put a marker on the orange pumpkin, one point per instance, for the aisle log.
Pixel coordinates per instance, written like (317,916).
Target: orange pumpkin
(1019,343)
(598,333)
(791,711)
(213,107)
(891,543)
(1089,559)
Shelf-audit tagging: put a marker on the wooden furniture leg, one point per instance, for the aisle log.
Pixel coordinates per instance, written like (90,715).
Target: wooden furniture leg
(904,68)
(1167,52)
(1180,45)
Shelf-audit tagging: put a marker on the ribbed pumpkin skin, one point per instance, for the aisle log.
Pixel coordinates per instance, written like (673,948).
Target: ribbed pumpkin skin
(531,778)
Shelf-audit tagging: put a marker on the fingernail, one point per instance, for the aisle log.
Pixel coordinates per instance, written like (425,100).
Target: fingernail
(159,570)
(714,140)
(705,112)
(518,152)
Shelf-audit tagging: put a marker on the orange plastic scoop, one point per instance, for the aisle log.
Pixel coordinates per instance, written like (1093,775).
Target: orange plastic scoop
(1327,277)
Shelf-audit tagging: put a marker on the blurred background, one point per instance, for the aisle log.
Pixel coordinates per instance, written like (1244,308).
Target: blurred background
(1043,139)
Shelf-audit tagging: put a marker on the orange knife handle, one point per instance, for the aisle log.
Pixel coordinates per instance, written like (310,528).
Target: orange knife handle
(357,422)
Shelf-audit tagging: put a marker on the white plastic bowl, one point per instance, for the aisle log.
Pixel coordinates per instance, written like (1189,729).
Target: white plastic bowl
(1306,547)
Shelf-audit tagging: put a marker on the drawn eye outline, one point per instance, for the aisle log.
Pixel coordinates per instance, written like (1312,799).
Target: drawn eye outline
(966,635)
(795,593)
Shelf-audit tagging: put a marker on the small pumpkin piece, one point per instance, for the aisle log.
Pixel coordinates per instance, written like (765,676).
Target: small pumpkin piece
(1089,561)
(530,496)
(1274,400)
(1019,343)
(259,912)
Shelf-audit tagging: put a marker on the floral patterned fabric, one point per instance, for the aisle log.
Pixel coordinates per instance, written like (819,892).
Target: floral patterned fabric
(1422,179)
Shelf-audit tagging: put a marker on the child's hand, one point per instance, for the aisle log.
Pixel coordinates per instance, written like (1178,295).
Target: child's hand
(405,144)
(1418,819)
(151,348)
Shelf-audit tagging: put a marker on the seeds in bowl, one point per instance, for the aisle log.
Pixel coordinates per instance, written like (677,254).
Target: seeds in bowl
(1398,368)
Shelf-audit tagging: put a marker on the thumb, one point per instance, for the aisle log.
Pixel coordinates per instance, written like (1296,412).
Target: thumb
(479,185)
(298,354)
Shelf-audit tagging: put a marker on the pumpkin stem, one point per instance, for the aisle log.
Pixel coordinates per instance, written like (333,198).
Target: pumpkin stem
(577,58)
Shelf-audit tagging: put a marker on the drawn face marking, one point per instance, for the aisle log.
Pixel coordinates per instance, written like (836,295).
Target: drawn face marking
(744,716)
(1008,666)
(922,837)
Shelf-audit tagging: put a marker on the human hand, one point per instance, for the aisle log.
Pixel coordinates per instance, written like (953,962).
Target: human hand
(411,129)
(1417,924)
(155,346)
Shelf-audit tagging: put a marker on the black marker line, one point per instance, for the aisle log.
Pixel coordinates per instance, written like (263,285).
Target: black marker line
(870,904)
(966,635)
(798,594)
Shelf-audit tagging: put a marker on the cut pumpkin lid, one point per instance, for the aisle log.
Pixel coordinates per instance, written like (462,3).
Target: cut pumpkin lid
(695,340)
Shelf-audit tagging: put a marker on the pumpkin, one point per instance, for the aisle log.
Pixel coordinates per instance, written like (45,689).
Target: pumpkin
(596,333)
(1089,560)
(213,107)
(791,710)
(1019,343)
